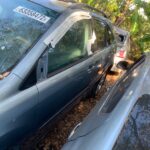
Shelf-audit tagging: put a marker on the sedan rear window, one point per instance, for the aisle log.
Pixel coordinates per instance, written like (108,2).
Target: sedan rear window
(22,23)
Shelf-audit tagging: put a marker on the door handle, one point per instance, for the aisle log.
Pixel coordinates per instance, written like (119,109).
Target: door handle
(91,67)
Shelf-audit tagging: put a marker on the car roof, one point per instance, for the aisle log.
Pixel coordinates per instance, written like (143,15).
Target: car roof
(57,5)
(62,5)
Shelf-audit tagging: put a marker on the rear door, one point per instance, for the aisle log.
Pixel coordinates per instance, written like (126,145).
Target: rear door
(101,47)
(67,71)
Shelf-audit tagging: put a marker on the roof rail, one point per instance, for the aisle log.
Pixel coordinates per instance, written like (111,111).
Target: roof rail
(67,1)
(84,6)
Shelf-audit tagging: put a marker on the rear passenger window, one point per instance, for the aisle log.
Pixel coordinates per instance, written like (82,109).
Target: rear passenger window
(99,36)
(71,48)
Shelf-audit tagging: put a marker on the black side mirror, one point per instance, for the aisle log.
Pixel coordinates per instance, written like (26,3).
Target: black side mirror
(123,65)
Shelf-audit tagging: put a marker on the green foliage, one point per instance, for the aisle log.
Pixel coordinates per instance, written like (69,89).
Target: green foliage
(131,15)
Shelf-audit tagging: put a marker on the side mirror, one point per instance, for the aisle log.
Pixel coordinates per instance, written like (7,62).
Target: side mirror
(123,65)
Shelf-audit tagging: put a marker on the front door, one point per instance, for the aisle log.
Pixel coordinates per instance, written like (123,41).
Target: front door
(67,71)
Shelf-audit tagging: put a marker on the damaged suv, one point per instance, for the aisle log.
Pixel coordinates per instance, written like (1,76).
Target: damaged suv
(51,53)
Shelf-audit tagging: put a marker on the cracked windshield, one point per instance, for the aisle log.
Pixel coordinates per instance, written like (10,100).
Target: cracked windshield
(21,25)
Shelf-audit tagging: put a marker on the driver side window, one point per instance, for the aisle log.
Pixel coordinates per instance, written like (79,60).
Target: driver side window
(71,48)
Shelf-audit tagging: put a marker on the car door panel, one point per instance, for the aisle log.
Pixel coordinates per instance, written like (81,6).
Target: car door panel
(59,90)
(96,61)
(101,47)
(20,111)
(67,66)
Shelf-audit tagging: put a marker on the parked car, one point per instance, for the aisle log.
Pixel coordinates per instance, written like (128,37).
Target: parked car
(121,119)
(51,54)
(123,46)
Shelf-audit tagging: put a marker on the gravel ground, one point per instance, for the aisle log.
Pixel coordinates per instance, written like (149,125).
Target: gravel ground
(53,138)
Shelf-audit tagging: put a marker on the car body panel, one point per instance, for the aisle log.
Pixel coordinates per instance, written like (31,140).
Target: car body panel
(99,130)
(68,84)
(20,111)
(6,84)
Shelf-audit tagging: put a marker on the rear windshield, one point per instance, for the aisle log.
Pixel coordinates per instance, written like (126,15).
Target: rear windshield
(21,25)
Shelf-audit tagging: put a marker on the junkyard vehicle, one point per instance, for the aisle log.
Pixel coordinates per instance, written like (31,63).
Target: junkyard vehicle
(123,46)
(121,119)
(51,53)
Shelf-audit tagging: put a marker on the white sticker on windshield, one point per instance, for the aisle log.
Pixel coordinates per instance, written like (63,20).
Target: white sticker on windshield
(32,14)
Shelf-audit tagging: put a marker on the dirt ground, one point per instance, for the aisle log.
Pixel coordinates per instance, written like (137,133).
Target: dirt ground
(53,138)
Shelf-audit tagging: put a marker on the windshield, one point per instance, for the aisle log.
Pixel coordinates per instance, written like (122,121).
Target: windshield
(21,25)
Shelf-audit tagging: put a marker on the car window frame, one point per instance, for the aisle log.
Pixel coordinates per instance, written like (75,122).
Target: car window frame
(45,65)
(106,27)
(100,21)
(73,63)
(49,38)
